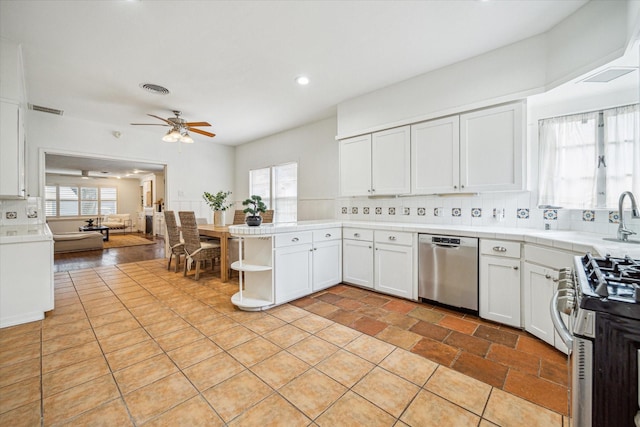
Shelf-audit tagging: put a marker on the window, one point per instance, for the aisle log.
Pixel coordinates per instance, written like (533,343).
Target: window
(588,160)
(278,187)
(69,201)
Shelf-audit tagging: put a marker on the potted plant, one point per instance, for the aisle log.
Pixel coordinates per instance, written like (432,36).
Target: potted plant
(255,207)
(218,204)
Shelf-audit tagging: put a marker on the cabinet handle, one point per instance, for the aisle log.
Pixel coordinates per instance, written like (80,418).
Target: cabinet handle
(515,267)
(295,239)
(462,186)
(392,238)
(368,191)
(547,276)
(356,234)
(311,250)
(373,190)
(327,235)
(455,187)
(370,247)
(500,249)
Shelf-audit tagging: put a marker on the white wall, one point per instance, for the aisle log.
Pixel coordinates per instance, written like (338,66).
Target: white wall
(315,150)
(191,170)
(594,35)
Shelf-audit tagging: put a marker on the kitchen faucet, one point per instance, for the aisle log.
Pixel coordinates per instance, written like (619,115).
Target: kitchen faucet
(623,231)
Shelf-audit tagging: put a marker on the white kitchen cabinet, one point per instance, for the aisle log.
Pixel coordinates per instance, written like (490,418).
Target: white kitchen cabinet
(541,271)
(460,153)
(391,161)
(499,282)
(357,257)
(376,164)
(327,258)
(256,290)
(26,293)
(491,144)
(393,263)
(355,166)
(539,284)
(12,161)
(293,267)
(435,153)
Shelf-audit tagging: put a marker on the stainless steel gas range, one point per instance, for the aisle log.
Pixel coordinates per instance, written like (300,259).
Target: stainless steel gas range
(601,297)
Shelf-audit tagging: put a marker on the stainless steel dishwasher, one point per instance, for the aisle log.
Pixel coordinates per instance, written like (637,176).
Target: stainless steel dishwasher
(448,270)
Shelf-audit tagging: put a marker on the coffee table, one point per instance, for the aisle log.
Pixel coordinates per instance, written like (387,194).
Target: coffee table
(101,228)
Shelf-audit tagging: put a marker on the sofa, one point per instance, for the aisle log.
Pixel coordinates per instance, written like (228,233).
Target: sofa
(117,222)
(77,241)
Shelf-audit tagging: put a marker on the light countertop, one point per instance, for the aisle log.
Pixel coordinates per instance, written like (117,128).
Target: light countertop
(25,233)
(575,241)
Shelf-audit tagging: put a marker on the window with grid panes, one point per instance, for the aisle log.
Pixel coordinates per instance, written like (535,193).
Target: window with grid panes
(278,187)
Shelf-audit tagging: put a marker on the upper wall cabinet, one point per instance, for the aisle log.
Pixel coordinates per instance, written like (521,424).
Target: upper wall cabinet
(377,164)
(12,139)
(491,143)
(473,152)
(435,148)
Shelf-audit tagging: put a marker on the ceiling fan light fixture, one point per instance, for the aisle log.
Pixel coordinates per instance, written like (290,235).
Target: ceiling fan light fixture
(186,138)
(172,135)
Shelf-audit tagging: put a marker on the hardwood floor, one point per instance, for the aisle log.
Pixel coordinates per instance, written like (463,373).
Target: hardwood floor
(90,259)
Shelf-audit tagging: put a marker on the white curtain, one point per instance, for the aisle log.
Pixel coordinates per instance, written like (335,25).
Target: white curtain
(622,151)
(568,159)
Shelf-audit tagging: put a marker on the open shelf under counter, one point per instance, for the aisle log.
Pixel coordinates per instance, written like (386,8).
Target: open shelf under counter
(250,304)
(243,266)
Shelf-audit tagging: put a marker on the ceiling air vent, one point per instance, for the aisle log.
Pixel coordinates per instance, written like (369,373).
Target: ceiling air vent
(45,109)
(157,89)
(609,74)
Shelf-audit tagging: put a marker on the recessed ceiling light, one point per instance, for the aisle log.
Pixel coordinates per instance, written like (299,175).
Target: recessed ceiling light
(302,80)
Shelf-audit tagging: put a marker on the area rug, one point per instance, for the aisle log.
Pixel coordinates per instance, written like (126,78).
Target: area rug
(124,240)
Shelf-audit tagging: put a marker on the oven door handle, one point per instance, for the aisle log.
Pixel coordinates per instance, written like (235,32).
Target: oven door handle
(558,323)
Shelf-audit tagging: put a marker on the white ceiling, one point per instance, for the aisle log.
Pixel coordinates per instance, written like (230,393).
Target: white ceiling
(233,63)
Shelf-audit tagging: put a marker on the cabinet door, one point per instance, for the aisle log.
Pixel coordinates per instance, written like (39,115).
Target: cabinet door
(327,264)
(355,166)
(394,270)
(292,271)
(357,262)
(491,149)
(538,287)
(435,150)
(500,290)
(391,161)
(11,150)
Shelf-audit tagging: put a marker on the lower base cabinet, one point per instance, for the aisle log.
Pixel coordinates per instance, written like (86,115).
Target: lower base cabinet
(499,282)
(292,272)
(327,264)
(394,270)
(538,287)
(357,262)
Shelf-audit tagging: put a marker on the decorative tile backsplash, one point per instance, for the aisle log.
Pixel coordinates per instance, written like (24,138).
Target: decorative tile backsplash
(517,210)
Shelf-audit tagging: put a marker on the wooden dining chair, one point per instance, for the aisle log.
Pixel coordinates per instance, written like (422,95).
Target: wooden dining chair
(176,245)
(195,250)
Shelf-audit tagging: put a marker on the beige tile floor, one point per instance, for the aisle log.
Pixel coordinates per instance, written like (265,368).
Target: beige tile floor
(135,344)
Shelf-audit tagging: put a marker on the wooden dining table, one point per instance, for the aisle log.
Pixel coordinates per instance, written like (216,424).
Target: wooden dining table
(222,233)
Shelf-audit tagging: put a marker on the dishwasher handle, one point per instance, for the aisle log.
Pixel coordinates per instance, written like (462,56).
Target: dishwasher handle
(445,245)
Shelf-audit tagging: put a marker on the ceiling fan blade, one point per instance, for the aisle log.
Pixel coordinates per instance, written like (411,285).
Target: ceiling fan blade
(201,132)
(148,124)
(197,124)
(160,118)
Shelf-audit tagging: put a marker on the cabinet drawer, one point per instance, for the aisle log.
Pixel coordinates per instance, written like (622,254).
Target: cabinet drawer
(500,248)
(290,239)
(394,237)
(552,258)
(327,234)
(357,234)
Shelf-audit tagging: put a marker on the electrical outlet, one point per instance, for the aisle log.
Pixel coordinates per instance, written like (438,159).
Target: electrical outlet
(32,213)
(11,215)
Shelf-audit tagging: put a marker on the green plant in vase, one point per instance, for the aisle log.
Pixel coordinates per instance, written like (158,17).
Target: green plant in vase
(218,204)
(255,206)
